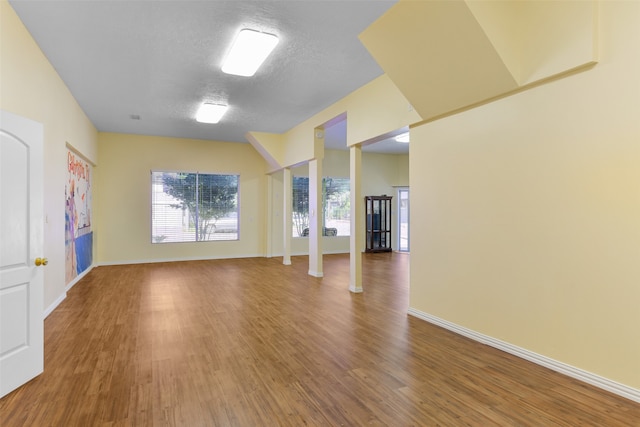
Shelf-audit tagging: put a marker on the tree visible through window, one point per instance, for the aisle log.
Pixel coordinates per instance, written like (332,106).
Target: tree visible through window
(335,205)
(189,207)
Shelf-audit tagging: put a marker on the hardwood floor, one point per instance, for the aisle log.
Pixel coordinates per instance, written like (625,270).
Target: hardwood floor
(250,342)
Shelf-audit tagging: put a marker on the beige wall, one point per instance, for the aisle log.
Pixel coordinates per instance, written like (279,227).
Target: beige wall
(124,233)
(526,213)
(30,87)
(380,174)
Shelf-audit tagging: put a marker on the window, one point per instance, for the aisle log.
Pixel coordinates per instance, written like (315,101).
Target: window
(193,207)
(300,200)
(335,203)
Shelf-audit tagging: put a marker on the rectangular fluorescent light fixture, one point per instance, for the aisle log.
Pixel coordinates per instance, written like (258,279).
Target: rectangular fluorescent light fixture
(248,52)
(210,113)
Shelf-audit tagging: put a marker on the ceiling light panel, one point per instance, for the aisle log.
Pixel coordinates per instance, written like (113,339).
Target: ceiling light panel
(403,137)
(210,113)
(248,52)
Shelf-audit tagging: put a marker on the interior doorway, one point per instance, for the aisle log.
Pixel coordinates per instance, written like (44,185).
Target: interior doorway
(403,219)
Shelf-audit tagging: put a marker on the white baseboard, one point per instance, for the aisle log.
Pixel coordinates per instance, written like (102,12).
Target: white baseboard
(563,368)
(306,253)
(153,261)
(54,305)
(79,277)
(62,297)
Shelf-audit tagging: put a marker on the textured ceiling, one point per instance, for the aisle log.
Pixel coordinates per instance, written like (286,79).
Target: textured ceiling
(160,60)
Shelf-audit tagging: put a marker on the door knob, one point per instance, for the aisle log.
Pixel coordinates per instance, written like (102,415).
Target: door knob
(41,261)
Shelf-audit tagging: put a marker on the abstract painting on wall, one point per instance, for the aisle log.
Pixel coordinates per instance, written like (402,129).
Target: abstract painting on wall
(78,233)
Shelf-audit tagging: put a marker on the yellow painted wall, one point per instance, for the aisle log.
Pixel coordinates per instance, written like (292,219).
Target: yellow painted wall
(30,87)
(375,109)
(269,145)
(380,174)
(526,213)
(539,39)
(125,205)
(402,178)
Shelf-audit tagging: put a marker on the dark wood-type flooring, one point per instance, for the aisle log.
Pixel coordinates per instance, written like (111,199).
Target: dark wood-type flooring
(250,342)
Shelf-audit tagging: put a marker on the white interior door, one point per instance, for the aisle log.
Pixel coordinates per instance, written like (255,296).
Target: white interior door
(21,242)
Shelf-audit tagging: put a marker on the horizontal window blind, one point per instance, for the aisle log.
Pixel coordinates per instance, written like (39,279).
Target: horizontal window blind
(190,207)
(336,206)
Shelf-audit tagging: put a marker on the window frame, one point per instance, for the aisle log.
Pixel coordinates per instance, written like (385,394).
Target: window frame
(155,239)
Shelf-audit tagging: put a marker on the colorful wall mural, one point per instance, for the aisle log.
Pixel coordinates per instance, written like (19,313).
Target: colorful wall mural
(78,233)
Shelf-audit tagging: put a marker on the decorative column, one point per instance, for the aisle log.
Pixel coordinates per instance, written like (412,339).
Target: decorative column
(315,217)
(357,222)
(287,222)
(270,220)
